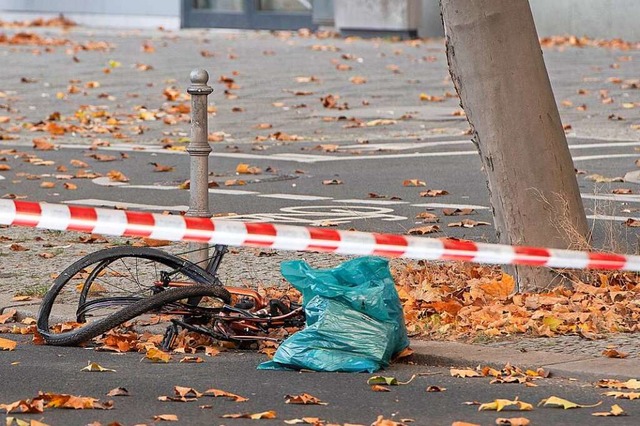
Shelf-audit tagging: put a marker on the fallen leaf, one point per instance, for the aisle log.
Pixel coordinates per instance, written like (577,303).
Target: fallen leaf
(7,345)
(192,359)
(603,179)
(554,401)
(304,399)
(381,421)
(166,418)
(117,176)
(9,315)
(118,392)
(95,367)
(162,168)
(434,193)
(422,230)
(380,122)
(245,169)
(41,144)
(17,247)
(466,372)
(217,393)
(616,411)
(70,186)
(358,79)
(501,404)
(316,421)
(632,384)
(379,388)
(613,353)
(332,182)
(513,421)
(431,98)
(457,212)
(622,191)
(623,395)
(156,355)
(433,388)
(467,223)
(256,416)
(382,380)
(413,182)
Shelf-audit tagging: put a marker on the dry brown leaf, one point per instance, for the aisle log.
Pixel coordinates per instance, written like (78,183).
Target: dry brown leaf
(423,230)
(434,193)
(381,421)
(118,392)
(413,182)
(41,144)
(615,411)
(162,168)
(434,388)
(245,169)
(70,186)
(614,353)
(117,176)
(513,421)
(623,395)
(332,182)
(622,191)
(255,416)
(380,388)
(7,345)
(304,399)
(358,79)
(166,418)
(467,223)
(464,372)
(217,393)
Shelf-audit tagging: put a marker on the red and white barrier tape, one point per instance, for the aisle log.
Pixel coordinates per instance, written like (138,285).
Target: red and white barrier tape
(233,233)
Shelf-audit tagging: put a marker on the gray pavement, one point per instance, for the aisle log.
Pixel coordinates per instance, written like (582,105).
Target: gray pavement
(130,112)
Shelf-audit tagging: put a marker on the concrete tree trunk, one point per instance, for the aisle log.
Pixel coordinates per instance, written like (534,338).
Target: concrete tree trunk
(496,64)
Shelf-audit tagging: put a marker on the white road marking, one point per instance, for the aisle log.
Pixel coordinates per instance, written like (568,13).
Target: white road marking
(231,191)
(399,146)
(321,215)
(613,197)
(372,201)
(105,203)
(451,206)
(604,156)
(613,218)
(299,197)
(105,181)
(2,177)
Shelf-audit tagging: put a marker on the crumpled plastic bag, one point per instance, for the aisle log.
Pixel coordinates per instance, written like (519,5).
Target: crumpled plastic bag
(354,318)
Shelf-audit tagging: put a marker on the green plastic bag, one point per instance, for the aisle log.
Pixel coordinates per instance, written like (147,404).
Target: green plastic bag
(354,319)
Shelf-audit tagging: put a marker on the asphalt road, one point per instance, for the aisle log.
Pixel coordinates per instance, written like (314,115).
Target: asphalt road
(367,191)
(349,399)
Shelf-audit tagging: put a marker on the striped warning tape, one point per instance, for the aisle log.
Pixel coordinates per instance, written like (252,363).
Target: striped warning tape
(235,233)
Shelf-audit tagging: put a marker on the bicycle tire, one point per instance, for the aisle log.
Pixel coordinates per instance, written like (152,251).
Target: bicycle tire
(102,261)
(94,329)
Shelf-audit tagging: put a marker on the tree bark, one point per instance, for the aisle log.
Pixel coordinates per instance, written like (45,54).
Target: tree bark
(496,64)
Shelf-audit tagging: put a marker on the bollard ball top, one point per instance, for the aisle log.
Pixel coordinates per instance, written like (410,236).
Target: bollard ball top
(199,76)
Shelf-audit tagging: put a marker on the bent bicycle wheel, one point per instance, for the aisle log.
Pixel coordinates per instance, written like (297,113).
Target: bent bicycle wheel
(103,285)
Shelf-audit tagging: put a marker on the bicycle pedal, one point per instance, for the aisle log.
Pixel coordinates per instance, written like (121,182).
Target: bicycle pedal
(169,337)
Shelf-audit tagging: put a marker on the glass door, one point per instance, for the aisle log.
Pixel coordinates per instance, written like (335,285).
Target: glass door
(248,14)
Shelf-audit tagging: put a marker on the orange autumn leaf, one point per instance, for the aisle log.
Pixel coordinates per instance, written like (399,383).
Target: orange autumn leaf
(156,355)
(499,289)
(166,418)
(7,345)
(217,393)
(117,176)
(42,144)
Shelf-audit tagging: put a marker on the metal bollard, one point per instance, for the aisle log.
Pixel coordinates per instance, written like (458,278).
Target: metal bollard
(199,150)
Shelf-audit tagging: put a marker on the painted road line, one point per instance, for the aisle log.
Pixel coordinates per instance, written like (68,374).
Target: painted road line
(106,203)
(231,191)
(613,197)
(611,218)
(372,201)
(400,146)
(298,197)
(450,206)
(604,157)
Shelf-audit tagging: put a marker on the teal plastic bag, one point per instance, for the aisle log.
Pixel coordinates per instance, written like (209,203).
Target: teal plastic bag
(354,319)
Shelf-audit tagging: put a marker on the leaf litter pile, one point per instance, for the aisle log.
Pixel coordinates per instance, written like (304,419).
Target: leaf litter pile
(460,301)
